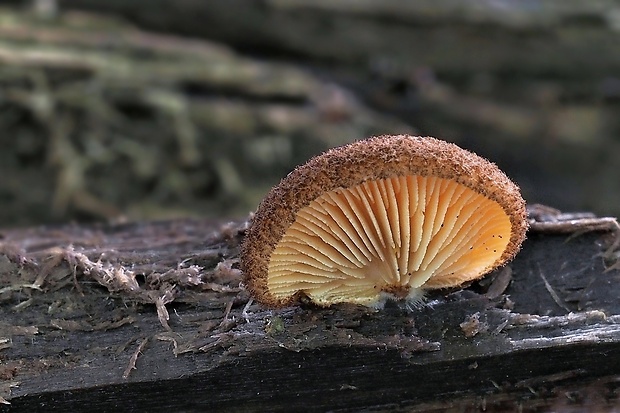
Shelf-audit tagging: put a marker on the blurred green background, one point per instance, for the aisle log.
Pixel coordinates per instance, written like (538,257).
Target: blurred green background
(116,110)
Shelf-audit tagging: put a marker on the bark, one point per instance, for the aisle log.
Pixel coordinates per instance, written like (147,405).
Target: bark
(152,316)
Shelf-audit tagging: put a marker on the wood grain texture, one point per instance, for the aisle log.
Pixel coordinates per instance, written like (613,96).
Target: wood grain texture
(68,349)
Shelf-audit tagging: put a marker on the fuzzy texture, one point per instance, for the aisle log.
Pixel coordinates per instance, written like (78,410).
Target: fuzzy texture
(375,158)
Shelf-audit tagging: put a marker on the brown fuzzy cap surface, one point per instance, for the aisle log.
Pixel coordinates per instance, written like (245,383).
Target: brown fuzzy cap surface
(374,158)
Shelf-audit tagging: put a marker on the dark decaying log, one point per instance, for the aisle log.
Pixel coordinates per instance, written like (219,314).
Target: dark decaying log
(152,317)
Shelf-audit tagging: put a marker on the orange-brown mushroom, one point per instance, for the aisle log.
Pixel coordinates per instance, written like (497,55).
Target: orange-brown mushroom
(389,216)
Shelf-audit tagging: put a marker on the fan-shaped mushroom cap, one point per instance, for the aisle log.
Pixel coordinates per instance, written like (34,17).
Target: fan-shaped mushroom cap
(388,215)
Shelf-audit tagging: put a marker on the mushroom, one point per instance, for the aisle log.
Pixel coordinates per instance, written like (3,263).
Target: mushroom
(385,217)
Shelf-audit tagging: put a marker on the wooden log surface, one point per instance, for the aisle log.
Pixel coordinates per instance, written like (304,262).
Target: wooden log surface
(152,317)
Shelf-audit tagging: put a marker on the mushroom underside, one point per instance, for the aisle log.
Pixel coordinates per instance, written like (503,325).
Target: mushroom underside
(394,236)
